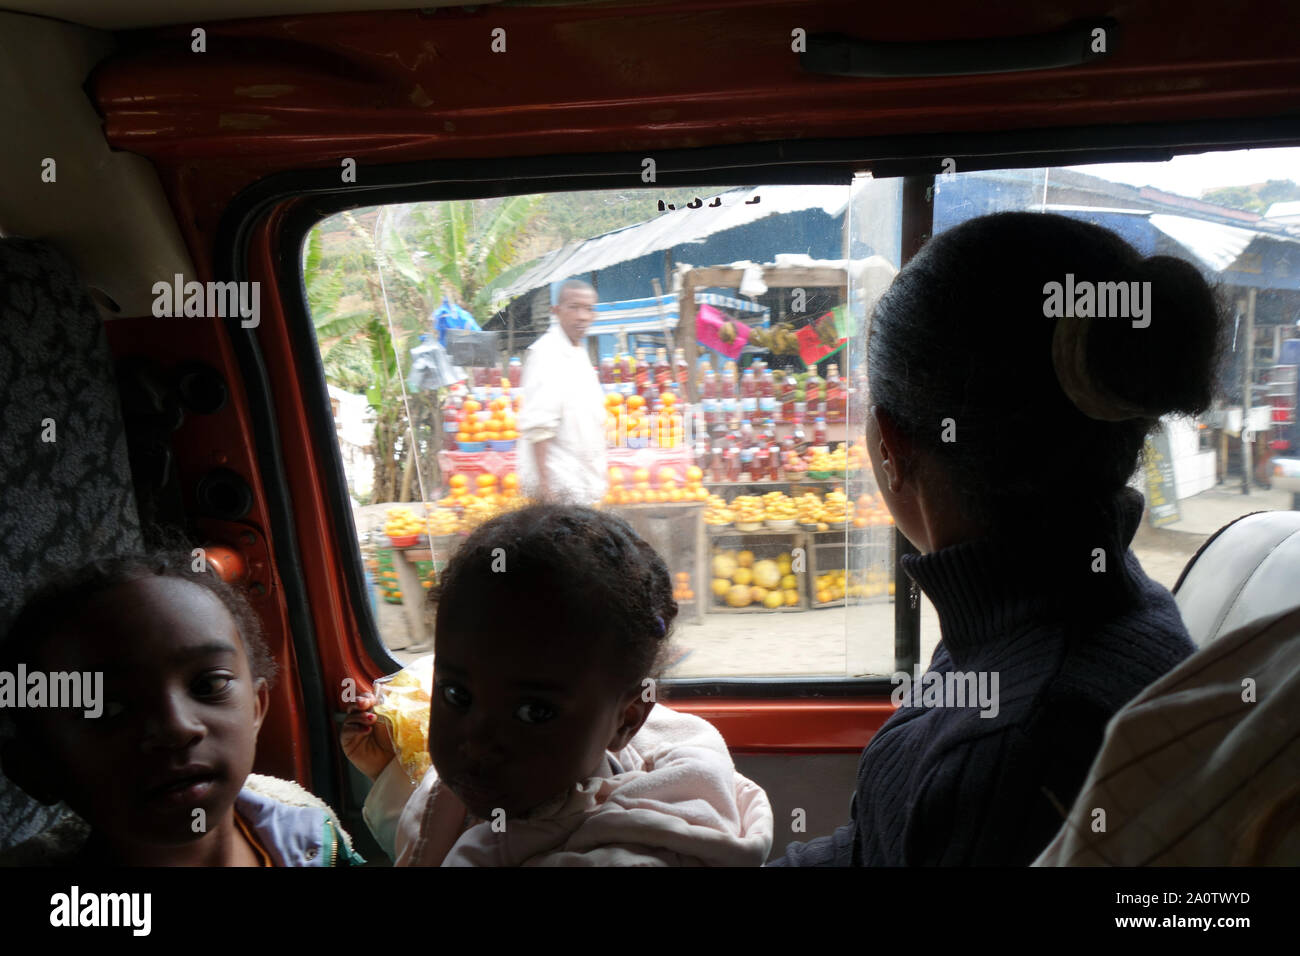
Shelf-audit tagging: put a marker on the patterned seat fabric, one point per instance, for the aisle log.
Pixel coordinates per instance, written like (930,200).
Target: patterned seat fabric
(65,484)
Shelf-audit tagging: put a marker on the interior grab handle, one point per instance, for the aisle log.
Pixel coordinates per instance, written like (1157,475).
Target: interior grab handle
(837,54)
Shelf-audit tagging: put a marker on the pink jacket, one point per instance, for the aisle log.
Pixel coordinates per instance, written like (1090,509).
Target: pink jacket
(677,802)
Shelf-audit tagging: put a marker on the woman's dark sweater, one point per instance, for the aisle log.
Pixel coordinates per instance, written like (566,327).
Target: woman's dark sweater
(1070,645)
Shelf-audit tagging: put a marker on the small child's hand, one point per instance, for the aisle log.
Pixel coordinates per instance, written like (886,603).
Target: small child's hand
(365,738)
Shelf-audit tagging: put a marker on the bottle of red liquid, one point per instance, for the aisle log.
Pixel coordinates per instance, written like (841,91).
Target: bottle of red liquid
(748,388)
(607,373)
(663,372)
(788,393)
(819,431)
(515,372)
(681,369)
(641,370)
(627,370)
(766,384)
(710,386)
(727,381)
(732,456)
(835,403)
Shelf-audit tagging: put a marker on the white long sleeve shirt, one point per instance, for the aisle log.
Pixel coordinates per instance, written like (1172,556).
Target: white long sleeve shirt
(563,405)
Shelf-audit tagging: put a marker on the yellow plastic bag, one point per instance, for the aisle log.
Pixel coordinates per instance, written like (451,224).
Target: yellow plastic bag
(403,701)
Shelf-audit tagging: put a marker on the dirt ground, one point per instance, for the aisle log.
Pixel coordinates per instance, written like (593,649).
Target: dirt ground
(859,640)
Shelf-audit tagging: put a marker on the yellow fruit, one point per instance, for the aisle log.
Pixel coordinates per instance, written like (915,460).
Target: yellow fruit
(743,576)
(738,596)
(720,587)
(773,600)
(767,574)
(789,582)
(791,598)
(823,596)
(758,595)
(745,559)
(724,565)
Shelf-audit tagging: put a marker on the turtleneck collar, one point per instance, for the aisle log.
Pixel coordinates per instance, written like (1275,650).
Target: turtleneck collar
(989,589)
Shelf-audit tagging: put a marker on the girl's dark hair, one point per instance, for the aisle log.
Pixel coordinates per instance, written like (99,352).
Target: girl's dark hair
(563,569)
(63,598)
(962,334)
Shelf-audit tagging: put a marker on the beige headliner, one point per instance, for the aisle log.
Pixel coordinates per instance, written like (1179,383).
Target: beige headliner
(106,210)
(129,14)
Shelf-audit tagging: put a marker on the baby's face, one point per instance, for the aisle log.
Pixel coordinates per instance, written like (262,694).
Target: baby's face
(514,721)
(181,712)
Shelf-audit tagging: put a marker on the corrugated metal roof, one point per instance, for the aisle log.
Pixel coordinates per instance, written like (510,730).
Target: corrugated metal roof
(736,207)
(1214,244)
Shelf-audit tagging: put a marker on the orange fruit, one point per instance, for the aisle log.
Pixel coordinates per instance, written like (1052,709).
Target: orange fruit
(458,481)
(509,435)
(668,398)
(510,480)
(635,401)
(486,480)
(667,474)
(641,475)
(616,475)
(693,473)
(472,405)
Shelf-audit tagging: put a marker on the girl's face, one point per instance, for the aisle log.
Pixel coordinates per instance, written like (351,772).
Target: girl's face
(517,719)
(181,712)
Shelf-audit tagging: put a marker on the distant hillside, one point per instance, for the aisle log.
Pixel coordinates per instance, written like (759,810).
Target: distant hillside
(1256,198)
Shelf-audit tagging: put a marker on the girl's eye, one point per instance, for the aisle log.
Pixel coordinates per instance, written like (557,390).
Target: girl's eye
(210,685)
(458,697)
(535,712)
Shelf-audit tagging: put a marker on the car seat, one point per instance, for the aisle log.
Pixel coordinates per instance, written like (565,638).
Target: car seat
(65,483)
(1247,570)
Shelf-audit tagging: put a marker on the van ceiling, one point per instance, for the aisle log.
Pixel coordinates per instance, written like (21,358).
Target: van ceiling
(131,14)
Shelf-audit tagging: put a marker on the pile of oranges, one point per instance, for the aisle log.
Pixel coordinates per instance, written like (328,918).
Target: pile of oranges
(668,490)
(485,487)
(494,423)
(630,419)
(870,511)
(682,587)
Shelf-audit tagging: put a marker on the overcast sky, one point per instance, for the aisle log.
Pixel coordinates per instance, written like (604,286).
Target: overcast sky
(1190,175)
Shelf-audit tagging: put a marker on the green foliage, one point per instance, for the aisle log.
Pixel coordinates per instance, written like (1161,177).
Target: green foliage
(1256,198)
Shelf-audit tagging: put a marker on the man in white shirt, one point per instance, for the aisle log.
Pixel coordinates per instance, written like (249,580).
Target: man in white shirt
(562,421)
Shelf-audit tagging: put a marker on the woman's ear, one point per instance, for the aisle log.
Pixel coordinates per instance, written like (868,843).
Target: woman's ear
(890,449)
(634,713)
(261,701)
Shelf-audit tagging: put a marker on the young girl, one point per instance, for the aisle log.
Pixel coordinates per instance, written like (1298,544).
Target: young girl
(546,743)
(161,775)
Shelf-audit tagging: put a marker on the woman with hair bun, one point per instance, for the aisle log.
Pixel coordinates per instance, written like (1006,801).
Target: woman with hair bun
(1006,418)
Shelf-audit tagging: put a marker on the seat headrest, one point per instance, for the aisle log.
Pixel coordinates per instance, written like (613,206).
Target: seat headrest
(1248,570)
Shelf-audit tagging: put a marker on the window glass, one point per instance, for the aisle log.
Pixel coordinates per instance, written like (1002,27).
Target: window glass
(727,341)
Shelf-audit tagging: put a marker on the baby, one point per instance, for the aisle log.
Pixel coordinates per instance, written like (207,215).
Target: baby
(161,775)
(546,743)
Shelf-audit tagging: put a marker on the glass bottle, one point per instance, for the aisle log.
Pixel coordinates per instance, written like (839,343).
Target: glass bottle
(607,374)
(748,387)
(819,431)
(641,370)
(727,382)
(682,369)
(663,372)
(834,393)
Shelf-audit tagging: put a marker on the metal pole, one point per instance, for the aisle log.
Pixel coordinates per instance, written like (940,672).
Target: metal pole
(1247,396)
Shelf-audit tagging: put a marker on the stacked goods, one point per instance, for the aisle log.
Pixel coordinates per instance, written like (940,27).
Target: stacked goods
(870,511)
(748,512)
(716,513)
(780,510)
(402,524)
(824,464)
(741,580)
(666,491)
(386,575)
(822,514)
(442,522)
(682,587)
(832,587)
(484,487)
(493,423)
(630,423)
